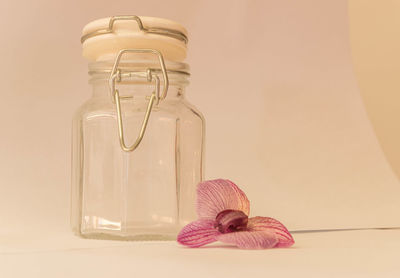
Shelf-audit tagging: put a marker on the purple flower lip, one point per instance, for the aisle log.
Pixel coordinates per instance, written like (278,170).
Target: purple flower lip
(231,220)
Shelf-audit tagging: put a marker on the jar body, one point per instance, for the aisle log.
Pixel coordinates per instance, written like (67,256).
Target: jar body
(145,194)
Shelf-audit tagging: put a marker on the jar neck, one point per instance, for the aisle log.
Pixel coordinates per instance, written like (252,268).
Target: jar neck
(136,84)
(127,90)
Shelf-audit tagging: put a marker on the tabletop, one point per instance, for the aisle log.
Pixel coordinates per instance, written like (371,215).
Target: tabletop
(348,253)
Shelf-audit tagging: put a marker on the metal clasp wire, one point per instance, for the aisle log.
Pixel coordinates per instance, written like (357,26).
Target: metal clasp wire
(159,31)
(116,76)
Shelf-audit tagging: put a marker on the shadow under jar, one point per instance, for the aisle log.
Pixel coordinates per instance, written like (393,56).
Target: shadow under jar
(137,142)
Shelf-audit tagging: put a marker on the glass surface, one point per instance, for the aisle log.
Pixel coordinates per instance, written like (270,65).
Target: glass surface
(145,194)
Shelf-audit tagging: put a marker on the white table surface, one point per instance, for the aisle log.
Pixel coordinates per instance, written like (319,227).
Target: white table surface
(357,253)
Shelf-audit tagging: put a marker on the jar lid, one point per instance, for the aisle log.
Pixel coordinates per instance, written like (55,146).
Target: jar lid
(102,39)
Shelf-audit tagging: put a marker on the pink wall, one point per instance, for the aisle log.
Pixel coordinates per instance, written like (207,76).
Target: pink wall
(274,80)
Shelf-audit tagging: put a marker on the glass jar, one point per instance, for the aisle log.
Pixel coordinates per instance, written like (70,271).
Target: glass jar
(137,142)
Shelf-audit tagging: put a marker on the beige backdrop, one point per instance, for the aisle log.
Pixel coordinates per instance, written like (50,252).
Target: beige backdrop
(274,80)
(375,40)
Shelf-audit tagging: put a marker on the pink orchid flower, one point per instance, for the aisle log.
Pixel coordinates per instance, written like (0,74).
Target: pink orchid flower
(223,211)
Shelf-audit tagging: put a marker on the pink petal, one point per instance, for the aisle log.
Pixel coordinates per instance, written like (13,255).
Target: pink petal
(268,224)
(250,239)
(198,233)
(215,196)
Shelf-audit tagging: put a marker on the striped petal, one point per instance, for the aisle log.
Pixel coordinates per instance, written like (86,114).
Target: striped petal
(198,233)
(269,224)
(250,239)
(215,196)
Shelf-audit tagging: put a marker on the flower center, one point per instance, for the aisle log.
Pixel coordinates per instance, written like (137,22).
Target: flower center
(230,220)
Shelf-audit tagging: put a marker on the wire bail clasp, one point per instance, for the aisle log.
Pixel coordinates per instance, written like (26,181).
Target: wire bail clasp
(116,76)
(149,30)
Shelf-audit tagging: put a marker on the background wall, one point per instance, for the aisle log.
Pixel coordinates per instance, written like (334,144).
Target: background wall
(274,80)
(375,40)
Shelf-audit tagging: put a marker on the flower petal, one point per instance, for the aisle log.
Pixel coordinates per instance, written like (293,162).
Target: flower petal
(250,239)
(269,224)
(215,196)
(198,233)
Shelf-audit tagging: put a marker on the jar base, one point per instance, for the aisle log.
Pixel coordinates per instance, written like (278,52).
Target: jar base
(137,237)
